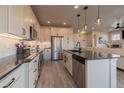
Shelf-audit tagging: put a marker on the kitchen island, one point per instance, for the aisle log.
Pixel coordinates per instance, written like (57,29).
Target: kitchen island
(92,69)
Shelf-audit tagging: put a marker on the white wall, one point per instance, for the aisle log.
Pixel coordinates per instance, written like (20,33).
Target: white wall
(7,46)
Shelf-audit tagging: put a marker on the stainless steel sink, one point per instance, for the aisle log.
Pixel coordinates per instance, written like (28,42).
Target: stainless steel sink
(74,50)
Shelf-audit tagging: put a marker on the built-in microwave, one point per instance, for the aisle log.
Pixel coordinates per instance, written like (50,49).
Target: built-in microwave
(33,33)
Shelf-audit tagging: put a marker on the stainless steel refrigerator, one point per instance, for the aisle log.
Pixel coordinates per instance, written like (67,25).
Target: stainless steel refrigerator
(56,47)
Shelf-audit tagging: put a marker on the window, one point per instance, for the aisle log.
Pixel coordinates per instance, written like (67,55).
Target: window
(116,37)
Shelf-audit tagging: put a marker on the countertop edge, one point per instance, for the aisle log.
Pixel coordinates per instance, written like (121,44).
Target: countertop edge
(93,59)
(1,77)
(10,71)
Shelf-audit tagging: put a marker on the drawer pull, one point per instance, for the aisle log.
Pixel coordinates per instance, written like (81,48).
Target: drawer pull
(35,83)
(35,70)
(10,83)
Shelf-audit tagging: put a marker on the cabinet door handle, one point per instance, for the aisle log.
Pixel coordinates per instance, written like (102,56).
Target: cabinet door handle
(35,70)
(10,83)
(23,31)
(35,82)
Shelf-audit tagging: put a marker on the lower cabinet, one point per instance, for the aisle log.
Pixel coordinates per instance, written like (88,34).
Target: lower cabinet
(47,54)
(14,80)
(25,76)
(32,73)
(67,61)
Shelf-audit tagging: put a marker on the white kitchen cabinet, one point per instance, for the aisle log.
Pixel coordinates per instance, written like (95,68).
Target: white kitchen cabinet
(67,33)
(47,54)
(16,20)
(101,73)
(14,80)
(67,61)
(39,33)
(19,20)
(46,34)
(54,31)
(31,75)
(3,18)
(70,39)
(77,38)
(26,21)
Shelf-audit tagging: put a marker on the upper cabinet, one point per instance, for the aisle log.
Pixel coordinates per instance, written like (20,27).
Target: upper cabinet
(46,34)
(3,18)
(26,21)
(17,19)
(67,33)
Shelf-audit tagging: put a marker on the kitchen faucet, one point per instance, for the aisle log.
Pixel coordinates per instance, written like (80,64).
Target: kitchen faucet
(79,46)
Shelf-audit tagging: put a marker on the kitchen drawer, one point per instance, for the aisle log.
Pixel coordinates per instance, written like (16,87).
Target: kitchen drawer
(33,63)
(12,78)
(33,76)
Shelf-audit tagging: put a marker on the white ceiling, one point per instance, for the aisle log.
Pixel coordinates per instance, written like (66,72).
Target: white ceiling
(58,14)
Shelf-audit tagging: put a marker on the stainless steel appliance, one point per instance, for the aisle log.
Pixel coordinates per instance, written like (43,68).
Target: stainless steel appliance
(56,49)
(33,33)
(78,70)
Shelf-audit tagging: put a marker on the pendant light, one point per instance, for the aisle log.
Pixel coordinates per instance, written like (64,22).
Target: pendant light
(78,29)
(85,18)
(98,20)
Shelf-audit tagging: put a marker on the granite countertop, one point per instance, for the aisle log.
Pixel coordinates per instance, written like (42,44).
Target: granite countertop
(10,63)
(94,55)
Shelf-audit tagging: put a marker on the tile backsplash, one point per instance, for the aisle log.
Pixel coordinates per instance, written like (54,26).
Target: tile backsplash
(7,46)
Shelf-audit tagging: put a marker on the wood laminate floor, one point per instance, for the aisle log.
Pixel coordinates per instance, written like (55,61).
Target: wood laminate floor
(54,75)
(120,79)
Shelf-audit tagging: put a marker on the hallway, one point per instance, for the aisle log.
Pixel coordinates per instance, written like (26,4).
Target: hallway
(54,75)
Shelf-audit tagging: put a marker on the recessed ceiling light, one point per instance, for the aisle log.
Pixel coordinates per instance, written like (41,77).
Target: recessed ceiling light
(76,6)
(48,22)
(64,23)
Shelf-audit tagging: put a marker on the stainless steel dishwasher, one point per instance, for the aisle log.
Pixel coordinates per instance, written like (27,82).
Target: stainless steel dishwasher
(78,70)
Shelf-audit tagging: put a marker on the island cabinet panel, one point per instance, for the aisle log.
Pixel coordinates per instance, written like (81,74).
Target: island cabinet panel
(113,72)
(101,73)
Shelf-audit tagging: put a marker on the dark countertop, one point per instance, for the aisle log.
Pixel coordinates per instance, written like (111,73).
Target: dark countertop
(10,63)
(94,55)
